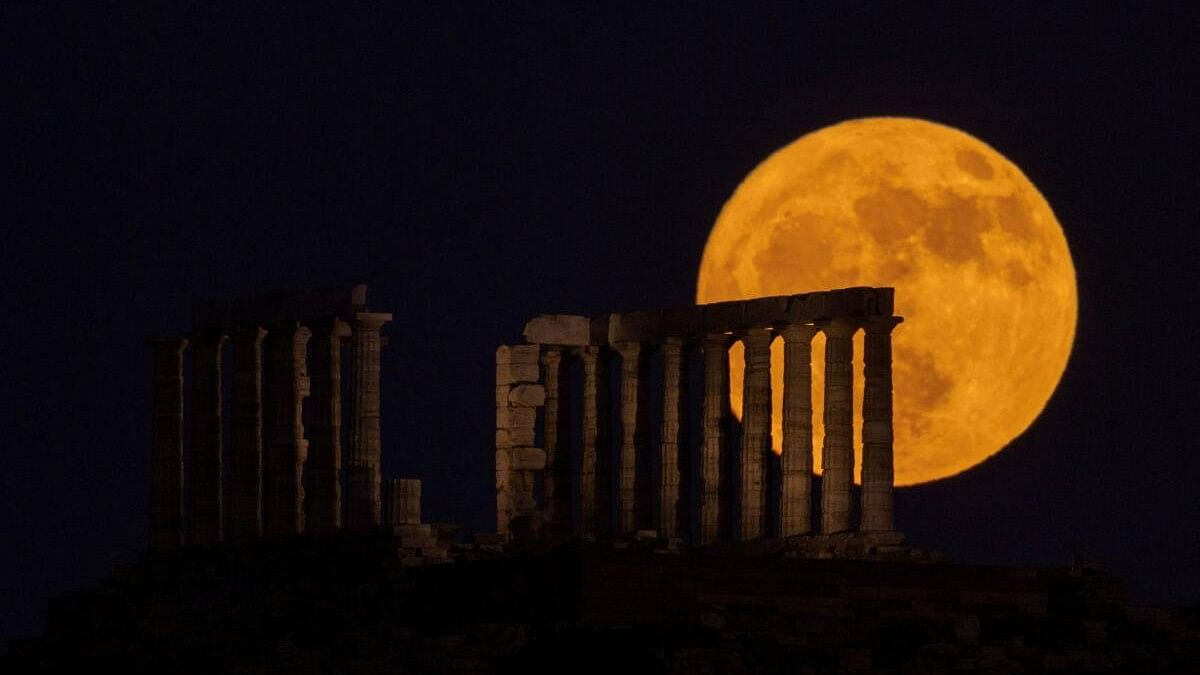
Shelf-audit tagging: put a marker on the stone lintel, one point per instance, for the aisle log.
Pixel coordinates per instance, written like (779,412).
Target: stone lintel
(566,330)
(736,316)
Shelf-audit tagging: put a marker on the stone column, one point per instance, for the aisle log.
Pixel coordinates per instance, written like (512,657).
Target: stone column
(518,396)
(837,457)
(714,459)
(363,507)
(634,490)
(877,469)
(595,482)
(796,495)
(403,502)
(204,468)
(556,439)
(756,432)
(286,383)
(166,445)
(673,451)
(246,451)
(322,474)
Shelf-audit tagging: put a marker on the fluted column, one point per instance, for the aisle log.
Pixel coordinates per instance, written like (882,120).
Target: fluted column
(322,474)
(714,460)
(363,505)
(204,468)
(595,484)
(673,455)
(556,438)
(796,494)
(756,432)
(246,451)
(285,387)
(166,449)
(837,457)
(877,469)
(634,491)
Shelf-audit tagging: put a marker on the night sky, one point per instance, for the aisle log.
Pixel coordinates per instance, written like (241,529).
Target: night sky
(478,167)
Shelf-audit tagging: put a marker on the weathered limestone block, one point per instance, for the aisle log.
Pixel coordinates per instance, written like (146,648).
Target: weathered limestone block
(403,502)
(714,460)
(595,484)
(286,446)
(528,396)
(511,417)
(567,330)
(756,432)
(556,434)
(515,364)
(204,475)
(877,471)
(838,454)
(673,455)
(363,505)
(246,453)
(528,459)
(797,460)
(166,450)
(634,471)
(322,475)
(509,438)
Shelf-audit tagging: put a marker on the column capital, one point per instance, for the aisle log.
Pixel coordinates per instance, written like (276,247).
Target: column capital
(628,349)
(590,351)
(798,332)
(759,337)
(367,321)
(840,327)
(713,340)
(881,324)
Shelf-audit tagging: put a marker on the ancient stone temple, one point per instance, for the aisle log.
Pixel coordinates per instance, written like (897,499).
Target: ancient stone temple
(283,471)
(626,488)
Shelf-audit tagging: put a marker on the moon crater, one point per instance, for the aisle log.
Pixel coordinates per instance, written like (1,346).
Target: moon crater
(981,269)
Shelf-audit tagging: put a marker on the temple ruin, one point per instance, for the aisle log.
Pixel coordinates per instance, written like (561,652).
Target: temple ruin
(282,478)
(618,494)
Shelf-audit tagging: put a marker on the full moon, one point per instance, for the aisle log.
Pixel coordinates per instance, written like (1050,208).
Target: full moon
(983,278)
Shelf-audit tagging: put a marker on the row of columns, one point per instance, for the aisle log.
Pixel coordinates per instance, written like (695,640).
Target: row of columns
(281,480)
(716,484)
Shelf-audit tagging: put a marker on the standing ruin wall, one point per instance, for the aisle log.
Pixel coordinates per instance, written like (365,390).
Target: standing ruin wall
(282,478)
(617,494)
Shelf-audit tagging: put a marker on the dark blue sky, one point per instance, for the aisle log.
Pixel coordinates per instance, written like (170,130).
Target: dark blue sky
(481,166)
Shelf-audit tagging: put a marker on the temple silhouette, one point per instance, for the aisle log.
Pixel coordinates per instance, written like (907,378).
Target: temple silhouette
(640,525)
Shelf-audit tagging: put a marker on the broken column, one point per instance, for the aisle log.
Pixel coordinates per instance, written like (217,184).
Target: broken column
(322,474)
(166,449)
(634,487)
(673,450)
(245,470)
(795,510)
(756,432)
(714,457)
(518,396)
(204,468)
(286,447)
(595,483)
(837,457)
(404,502)
(877,468)
(363,507)
(556,435)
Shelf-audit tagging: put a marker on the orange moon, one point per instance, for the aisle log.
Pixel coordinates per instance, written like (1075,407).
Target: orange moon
(983,278)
